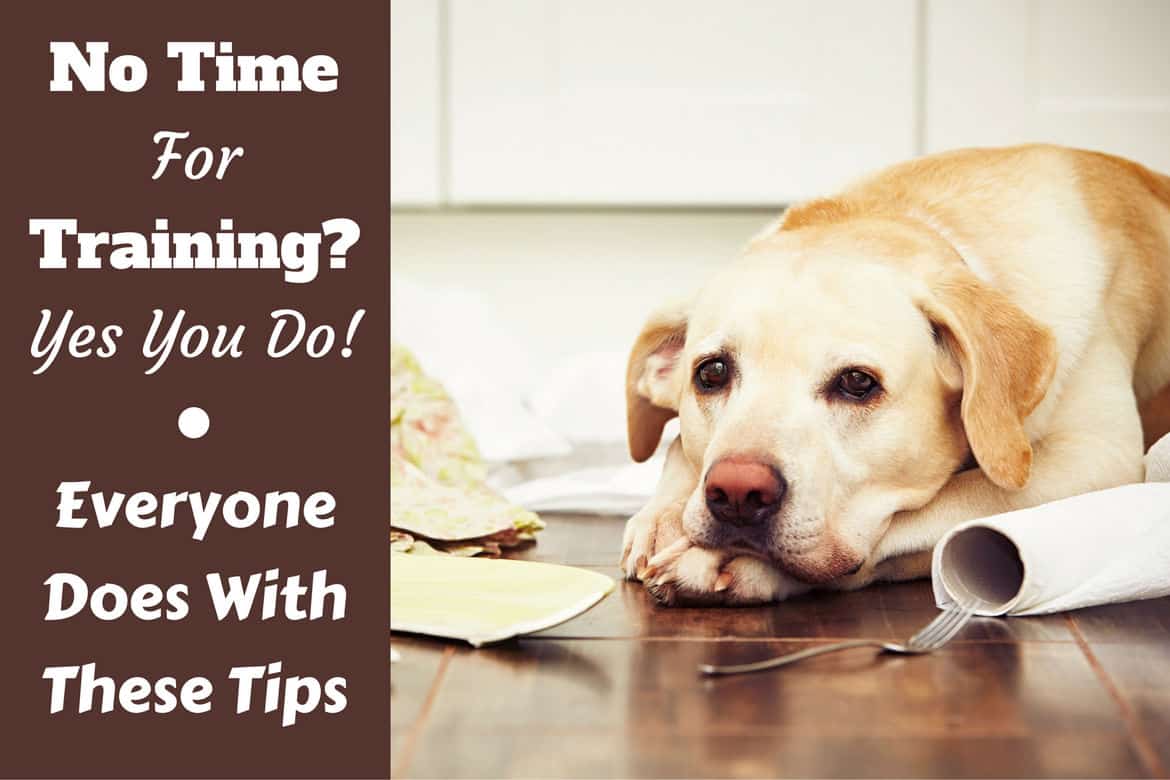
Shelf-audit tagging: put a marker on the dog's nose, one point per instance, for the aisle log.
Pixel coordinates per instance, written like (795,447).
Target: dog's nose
(744,491)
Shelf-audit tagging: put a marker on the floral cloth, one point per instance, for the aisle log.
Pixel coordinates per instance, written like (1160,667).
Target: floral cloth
(439,501)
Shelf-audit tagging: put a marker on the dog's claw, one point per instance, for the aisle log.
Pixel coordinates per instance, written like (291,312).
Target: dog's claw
(662,593)
(723,581)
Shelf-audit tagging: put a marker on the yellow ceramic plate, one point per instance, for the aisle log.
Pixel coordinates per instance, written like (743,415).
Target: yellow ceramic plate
(483,600)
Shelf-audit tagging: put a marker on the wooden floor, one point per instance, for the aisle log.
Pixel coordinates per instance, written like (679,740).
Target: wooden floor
(614,692)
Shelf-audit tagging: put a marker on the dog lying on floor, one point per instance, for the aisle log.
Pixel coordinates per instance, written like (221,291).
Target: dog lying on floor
(954,337)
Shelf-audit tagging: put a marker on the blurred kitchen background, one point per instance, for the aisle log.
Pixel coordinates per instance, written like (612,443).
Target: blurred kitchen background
(560,167)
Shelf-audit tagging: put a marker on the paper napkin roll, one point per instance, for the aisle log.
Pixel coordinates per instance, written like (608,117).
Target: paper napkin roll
(1104,547)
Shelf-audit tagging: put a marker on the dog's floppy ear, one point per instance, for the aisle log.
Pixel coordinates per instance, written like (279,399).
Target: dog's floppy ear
(654,378)
(1007,359)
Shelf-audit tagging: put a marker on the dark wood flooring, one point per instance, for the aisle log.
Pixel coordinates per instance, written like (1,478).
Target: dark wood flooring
(614,692)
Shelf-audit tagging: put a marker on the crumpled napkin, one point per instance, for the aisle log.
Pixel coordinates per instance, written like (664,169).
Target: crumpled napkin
(603,490)
(611,485)
(437,480)
(1109,546)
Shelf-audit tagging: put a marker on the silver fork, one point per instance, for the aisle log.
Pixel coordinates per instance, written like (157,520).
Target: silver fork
(934,635)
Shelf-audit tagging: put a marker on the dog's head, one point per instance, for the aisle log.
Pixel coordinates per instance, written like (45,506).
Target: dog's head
(832,377)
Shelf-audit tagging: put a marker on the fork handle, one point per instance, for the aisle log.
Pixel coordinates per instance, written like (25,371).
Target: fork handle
(784,660)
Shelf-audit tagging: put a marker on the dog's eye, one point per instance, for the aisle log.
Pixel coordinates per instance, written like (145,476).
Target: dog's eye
(712,374)
(857,385)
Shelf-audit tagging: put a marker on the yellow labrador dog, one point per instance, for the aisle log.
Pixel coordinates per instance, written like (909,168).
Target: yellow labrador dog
(954,337)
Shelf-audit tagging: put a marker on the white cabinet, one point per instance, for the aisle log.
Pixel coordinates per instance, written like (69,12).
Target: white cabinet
(675,101)
(415,94)
(753,102)
(1087,73)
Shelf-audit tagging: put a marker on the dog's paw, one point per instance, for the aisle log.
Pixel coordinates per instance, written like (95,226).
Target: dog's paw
(685,575)
(654,528)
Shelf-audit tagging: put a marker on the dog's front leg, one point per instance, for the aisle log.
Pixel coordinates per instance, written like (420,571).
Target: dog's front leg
(684,574)
(659,524)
